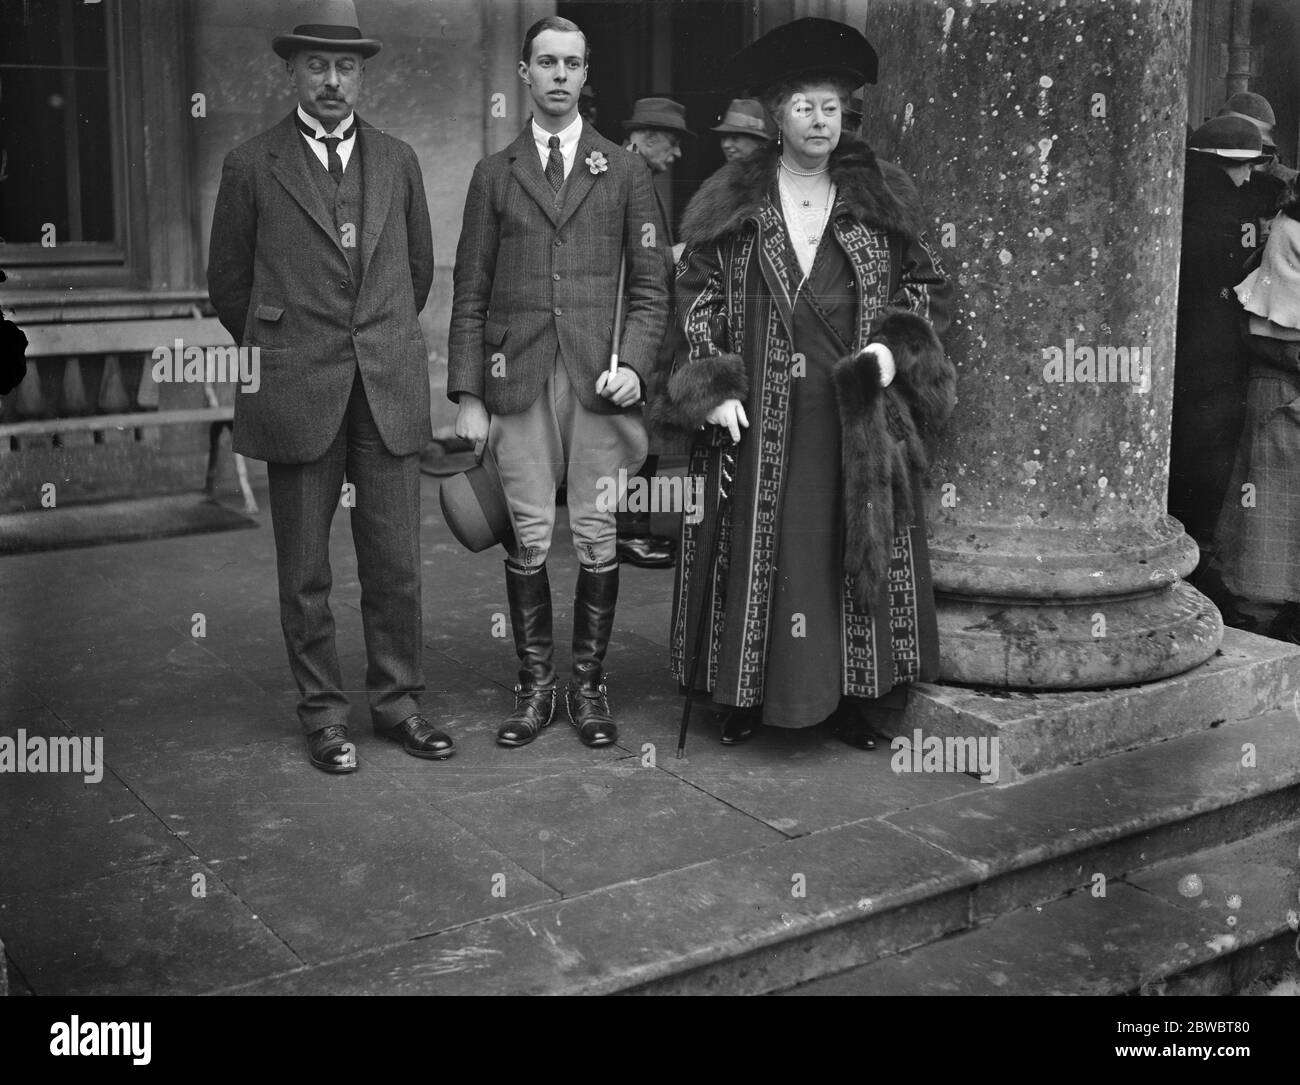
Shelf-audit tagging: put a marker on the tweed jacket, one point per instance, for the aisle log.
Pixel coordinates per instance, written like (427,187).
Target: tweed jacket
(280,280)
(532,277)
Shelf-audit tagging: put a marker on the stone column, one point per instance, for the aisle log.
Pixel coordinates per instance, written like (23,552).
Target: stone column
(1046,137)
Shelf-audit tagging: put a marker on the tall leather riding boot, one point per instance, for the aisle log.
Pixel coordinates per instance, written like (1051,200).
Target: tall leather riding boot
(529,595)
(593,622)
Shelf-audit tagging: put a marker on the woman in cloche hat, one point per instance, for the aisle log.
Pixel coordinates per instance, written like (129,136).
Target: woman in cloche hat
(813,377)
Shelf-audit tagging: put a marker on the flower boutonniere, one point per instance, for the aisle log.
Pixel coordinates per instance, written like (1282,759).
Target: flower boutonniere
(596,162)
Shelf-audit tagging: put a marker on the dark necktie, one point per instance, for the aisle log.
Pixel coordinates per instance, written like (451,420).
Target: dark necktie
(332,160)
(555,164)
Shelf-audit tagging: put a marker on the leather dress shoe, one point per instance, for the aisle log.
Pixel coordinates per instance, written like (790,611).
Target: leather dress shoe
(588,708)
(647,551)
(419,738)
(330,750)
(534,709)
(848,724)
(740,725)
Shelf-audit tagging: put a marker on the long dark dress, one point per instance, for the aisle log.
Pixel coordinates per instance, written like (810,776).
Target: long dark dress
(804,661)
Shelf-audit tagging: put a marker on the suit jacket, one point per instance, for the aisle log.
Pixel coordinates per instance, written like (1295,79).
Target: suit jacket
(280,280)
(531,278)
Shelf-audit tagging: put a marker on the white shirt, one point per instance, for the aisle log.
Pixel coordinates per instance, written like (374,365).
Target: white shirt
(568,143)
(346,130)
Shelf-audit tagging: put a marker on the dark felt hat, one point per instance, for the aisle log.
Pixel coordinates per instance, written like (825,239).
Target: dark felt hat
(328,25)
(475,508)
(1232,139)
(803,47)
(661,113)
(747,117)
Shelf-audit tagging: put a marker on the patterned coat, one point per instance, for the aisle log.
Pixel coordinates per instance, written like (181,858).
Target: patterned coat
(736,285)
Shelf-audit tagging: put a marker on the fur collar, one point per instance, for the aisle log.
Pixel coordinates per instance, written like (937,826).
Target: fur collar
(874,192)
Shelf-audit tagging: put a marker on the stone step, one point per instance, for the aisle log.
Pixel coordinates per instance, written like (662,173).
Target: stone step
(1205,923)
(1037,732)
(870,888)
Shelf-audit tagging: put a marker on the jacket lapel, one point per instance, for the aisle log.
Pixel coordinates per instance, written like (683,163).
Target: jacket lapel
(527,169)
(581,179)
(289,167)
(377,182)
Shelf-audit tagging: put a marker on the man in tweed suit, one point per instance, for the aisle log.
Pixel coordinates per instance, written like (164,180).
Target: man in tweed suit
(321,256)
(547,222)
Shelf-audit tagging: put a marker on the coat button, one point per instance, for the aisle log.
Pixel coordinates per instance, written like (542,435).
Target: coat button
(356,331)
(556,276)
(344,284)
(558,242)
(559,311)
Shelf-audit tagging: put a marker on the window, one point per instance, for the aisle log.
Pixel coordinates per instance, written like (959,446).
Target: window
(61,191)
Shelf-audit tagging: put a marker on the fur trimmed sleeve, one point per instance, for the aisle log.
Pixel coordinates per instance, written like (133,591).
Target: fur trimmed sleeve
(704,371)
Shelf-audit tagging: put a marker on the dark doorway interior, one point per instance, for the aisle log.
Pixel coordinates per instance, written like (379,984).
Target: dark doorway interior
(653,48)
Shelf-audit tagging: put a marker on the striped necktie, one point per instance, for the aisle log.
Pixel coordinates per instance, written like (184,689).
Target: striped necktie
(555,164)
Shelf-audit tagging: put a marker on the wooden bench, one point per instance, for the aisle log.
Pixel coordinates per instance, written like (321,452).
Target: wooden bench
(70,341)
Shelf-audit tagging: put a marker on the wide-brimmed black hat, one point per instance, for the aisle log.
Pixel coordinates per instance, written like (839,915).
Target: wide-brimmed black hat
(660,113)
(803,47)
(327,25)
(1230,139)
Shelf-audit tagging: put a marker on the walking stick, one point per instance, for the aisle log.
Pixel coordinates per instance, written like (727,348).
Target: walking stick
(618,317)
(706,614)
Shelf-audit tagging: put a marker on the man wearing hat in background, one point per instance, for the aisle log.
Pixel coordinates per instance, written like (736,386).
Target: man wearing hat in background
(548,223)
(654,133)
(1210,371)
(746,127)
(321,256)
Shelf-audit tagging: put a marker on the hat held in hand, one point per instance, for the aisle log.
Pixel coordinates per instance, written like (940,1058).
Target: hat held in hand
(475,508)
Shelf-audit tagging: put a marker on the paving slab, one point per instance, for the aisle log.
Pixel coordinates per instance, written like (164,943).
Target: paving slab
(675,929)
(141,931)
(605,824)
(801,781)
(334,877)
(59,829)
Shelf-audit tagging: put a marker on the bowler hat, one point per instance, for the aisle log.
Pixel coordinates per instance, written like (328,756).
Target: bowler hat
(475,508)
(1234,139)
(746,117)
(661,113)
(325,24)
(803,47)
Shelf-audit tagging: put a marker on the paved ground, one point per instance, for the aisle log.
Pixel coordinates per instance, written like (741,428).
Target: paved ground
(211,854)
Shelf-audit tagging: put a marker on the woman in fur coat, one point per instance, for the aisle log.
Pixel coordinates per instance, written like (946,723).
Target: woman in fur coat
(810,370)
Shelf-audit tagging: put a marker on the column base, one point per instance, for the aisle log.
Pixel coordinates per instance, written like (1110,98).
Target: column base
(1077,644)
(1037,732)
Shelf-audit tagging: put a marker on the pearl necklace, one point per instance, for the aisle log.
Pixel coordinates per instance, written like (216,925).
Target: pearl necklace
(811,230)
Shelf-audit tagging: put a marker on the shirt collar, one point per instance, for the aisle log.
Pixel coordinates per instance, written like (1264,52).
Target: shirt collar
(346,128)
(568,137)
